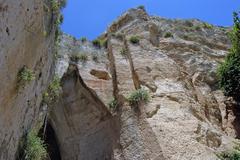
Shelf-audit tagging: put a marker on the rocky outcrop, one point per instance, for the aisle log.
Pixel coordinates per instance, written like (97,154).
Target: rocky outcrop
(186,116)
(22,43)
(84,127)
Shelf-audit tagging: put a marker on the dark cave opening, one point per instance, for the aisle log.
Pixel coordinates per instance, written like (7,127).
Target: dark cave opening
(51,142)
(47,134)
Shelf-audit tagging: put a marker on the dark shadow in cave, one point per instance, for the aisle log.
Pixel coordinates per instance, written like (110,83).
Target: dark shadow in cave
(51,142)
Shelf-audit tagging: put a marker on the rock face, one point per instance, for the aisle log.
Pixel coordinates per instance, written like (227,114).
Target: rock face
(176,61)
(187,117)
(84,127)
(22,43)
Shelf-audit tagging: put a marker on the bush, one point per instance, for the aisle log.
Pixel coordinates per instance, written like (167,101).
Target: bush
(97,43)
(197,28)
(123,52)
(55,5)
(59,20)
(138,96)
(168,35)
(207,26)
(230,155)
(229,71)
(188,23)
(112,104)
(100,43)
(83,57)
(25,75)
(104,43)
(134,40)
(83,39)
(141,7)
(53,91)
(35,149)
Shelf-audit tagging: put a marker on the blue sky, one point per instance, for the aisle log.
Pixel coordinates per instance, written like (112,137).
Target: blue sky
(90,18)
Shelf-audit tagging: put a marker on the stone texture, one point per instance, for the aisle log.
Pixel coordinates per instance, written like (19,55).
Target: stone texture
(22,43)
(186,117)
(83,125)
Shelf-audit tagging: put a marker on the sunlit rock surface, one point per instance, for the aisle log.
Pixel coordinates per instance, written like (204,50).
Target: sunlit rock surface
(186,117)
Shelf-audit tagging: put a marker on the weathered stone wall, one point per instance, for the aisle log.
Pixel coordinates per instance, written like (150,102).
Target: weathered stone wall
(85,129)
(23,43)
(186,116)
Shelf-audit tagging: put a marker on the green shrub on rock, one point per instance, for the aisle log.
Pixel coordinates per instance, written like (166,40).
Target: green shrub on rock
(168,35)
(52,93)
(123,52)
(230,155)
(134,40)
(138,96)
(96,43)
(229,71)
(25,76)
(83,39)
(100,42)
(112,104)
(207,26)
(141,7)
(35,149)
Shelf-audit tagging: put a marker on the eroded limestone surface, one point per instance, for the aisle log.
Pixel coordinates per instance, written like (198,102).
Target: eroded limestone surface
(186,117)
(22,43)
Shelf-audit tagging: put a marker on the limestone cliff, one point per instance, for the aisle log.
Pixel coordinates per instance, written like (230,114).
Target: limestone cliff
(187,116)
(175,60)
(24,44)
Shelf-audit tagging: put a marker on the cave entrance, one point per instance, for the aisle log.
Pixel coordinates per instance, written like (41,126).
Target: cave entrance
(51,142)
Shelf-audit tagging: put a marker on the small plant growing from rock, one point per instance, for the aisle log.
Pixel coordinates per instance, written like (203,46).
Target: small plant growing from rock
(55,5)
(100,43)
(230,155)
(53,91)
(134,40)
(35,149)
(168,35)
(138,96)
(97,43)
(207,26)
(188,23)
(83,39)
(123,52)
(83,57)
(104,43)
(112,104)
(141,7)
(25,76)
(197,28)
